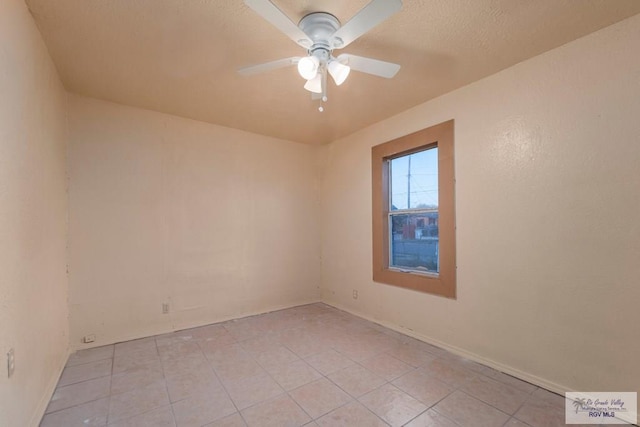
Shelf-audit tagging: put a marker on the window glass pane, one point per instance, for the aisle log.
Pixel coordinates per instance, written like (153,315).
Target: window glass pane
(414,180)
(414,241)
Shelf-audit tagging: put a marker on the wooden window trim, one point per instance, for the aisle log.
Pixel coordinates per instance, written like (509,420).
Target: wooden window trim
(444,283)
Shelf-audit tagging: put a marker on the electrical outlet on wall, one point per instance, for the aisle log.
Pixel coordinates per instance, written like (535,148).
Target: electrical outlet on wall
(355,294)
(89,338)
(11,363)
(165,308)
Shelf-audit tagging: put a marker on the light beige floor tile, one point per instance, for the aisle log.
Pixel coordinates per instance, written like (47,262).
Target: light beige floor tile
(172,337)
(411,355)
(381,342)
(194,363)
(256,346)
(211,345)
(275,356)
(160,417)
(292,375)
(282,319)
(319,397)
(467,411)
(542,409)
(221,337)
(242,330)
(76,394)
(386,366)
(279,412)
(423,387)
(177,350)
(84,372)
(249,391)
(349,415)
(142,347)
(203,408)
(138,401)
(234,420)
(445,372)
(233,363)
(210,332)
(431,418)
(358,351)
(356,380)
(497,394)
(329,361)
(515,423)
(237,369)
(92,414)
(547,396)
(136,378)
(192,383)
(227,352)
(392,405)
(306,343)
(132,361)
(91,355)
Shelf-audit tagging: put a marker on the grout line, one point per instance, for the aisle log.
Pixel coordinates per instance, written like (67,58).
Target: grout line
(166,385)
(444,416)
(222,384)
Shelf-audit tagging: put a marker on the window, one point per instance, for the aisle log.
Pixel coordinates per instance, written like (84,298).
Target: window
(413,211)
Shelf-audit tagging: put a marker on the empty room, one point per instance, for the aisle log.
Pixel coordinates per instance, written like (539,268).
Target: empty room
(319,213)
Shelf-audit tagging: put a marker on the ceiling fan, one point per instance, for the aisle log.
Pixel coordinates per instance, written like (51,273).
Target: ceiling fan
(320,33)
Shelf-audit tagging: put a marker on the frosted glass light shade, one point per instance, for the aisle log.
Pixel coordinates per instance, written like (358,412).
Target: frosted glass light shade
(315,84)
(308,67)
(339,72)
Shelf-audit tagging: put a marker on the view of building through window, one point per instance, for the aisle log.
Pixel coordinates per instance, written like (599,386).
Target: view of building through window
(413,214)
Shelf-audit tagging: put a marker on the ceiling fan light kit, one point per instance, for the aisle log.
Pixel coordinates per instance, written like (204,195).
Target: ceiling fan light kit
(308,67)
(314,85)
(339,72)
(320,33)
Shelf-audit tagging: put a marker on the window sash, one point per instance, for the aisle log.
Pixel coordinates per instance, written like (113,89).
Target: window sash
(406,269)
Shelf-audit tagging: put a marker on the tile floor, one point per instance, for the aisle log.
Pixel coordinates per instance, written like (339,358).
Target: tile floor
(306,366)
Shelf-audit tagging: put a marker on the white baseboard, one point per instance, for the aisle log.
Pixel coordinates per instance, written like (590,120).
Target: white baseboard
(150,333)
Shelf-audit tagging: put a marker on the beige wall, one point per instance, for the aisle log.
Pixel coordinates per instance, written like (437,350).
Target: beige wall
(217,222)
(33,219)
(548,241)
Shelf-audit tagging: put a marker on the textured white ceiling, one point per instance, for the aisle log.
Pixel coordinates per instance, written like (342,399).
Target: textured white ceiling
(181,56)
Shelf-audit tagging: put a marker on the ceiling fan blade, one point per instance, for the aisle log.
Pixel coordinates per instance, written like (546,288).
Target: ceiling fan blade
(268,66)
(271,13)
(369,65)
(370,16)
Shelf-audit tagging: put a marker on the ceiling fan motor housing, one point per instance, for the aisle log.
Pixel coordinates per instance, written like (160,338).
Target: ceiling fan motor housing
(319,27)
